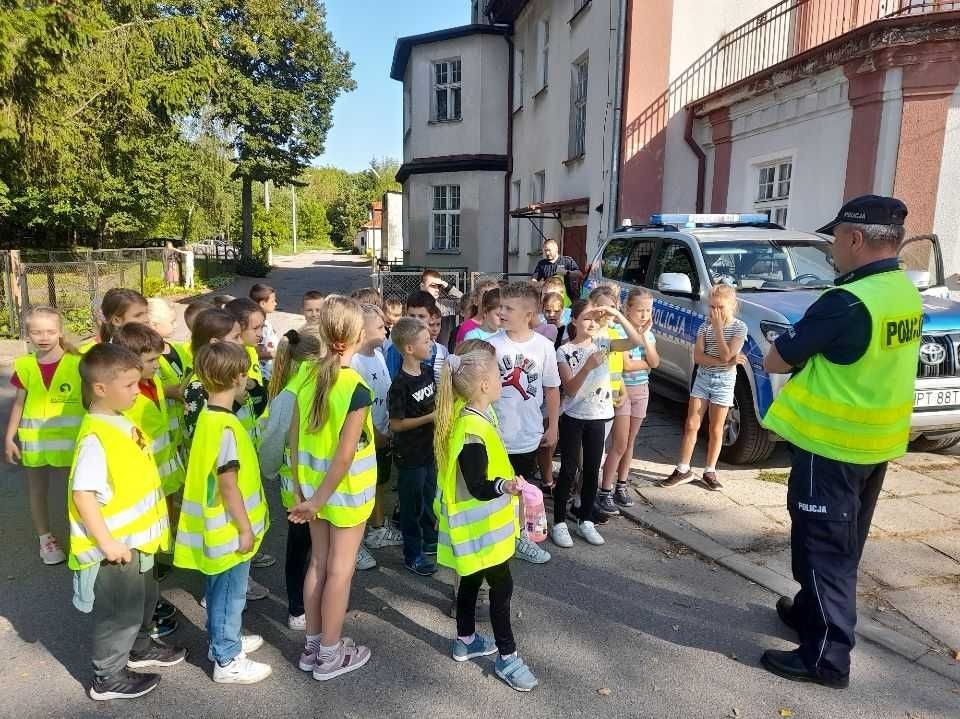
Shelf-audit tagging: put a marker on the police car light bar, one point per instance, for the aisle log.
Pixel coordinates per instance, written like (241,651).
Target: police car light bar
(694,220)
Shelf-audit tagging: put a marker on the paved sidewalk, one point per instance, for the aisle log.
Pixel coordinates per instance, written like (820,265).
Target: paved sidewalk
(910,573)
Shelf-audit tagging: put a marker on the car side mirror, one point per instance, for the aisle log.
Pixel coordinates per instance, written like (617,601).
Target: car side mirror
(675,283)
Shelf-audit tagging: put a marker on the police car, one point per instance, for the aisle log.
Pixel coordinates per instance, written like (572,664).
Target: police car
(778,273)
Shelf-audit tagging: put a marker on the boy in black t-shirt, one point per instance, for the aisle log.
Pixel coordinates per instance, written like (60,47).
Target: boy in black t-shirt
(411,403)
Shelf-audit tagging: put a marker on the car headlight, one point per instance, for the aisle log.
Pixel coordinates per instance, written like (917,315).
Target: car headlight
(772,330)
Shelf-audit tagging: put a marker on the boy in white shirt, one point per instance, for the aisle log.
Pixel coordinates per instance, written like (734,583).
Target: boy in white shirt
(529,374)
(370,364)
(266,297)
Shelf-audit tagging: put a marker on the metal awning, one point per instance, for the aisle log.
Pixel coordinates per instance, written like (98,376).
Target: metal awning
(551,211)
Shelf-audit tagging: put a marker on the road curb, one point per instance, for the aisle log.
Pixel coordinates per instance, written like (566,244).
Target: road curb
(869,629)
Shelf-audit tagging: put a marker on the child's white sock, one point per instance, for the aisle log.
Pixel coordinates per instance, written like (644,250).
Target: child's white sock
(683,468)
(313,642)
(508,656)
(468,640)
(327,653)
(710,469)
(44,538)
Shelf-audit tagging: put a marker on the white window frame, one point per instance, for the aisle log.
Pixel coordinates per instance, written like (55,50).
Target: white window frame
(517,79)
(516,191)
(445,214)
(771,180)
(450,82)
(579,77)
(543,57)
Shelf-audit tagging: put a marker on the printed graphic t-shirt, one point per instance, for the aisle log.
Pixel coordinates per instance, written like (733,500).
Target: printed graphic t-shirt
(373,369)
(594,398)
(410,397)
(526,368)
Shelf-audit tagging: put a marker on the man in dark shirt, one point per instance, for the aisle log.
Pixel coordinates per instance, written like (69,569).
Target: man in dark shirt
(553,263)
(411,401)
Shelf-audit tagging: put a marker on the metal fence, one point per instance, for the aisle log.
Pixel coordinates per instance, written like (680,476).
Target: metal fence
(403,283)
(75,281)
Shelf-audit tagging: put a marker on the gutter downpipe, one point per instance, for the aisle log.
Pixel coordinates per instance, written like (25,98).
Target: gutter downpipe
(701,158)
(508,175)
(613,191)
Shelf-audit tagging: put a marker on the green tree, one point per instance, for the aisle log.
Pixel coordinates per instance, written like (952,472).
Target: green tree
(280,73)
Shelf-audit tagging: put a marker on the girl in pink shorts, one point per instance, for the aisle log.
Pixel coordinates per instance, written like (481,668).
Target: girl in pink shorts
(629,415)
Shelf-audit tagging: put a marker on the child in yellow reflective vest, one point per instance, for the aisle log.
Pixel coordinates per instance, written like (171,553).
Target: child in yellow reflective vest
(477,506)
(224,516)
(118,522)
(45,417)
(175,361)
(334,467)
(251,317)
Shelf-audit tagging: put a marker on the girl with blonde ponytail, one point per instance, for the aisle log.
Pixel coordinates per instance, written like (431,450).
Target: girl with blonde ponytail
(477,506)
(334,477)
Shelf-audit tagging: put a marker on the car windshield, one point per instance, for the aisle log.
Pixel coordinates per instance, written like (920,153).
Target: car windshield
(770,265)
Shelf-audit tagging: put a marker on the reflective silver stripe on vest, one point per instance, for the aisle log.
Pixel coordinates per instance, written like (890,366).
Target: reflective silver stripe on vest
(482,511)
(168,467)
(50,445)
(221,520)
(155,531)
(286,484)
(51,423)
(194,540)
(160,442)
(123,518)
(477,545)
(616,376)
(318,464)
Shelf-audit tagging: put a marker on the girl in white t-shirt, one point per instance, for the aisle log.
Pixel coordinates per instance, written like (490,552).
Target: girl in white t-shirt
(586,408)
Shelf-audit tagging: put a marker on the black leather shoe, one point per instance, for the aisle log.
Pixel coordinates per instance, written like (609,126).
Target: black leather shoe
(790,666)
(785,612)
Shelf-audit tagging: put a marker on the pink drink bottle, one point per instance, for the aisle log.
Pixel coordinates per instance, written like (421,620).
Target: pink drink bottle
(534,514)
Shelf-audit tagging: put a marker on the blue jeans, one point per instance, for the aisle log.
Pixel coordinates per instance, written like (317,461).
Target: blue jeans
(418,489)
(226,597)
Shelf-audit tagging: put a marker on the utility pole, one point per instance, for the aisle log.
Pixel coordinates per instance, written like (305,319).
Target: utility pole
(293,219)
(266,195)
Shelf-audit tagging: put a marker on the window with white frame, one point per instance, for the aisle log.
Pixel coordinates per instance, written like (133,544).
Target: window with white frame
(446,218)
(543,61)
(446,90)
(578,110)
(517,79)
(515,190)
(773,189)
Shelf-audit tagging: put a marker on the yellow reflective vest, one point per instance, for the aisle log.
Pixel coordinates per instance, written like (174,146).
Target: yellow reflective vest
(136,514)
(615,362)
(51,416)
(352,501)
(475,534)
(170,374)
(303,375)
(859,413)
(207,538)
(247,414)
(153,419)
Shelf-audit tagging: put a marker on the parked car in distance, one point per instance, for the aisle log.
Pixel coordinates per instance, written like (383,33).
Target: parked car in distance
(215,248)
(778,274)
(162,242)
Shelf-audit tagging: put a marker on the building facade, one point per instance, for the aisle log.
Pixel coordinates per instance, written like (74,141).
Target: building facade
(797,107)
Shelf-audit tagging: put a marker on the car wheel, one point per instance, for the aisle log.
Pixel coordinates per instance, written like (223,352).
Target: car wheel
(745,441)
(935,444)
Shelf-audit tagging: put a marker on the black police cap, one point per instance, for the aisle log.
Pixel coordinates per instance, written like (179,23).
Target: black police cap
(869,210)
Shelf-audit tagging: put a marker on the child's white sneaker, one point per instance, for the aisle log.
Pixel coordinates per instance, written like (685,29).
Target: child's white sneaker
(241,671)
(561,535)
(589,532)
(249,643)
(50,551)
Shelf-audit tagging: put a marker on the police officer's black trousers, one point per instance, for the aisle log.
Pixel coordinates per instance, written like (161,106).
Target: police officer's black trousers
(831,506)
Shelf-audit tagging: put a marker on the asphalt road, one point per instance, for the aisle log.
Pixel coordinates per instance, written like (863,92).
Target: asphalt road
(637,628)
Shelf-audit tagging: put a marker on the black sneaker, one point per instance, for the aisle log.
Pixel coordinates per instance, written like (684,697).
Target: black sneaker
(123,685)
(604,505)
(677,478)
(710,481)
(164,610)
(422,567)
(156,655)
(163,627)
(622,496)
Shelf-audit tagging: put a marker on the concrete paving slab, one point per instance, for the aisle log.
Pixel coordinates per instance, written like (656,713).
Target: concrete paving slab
(685,499)
(777,560)
(905,516)
(950,476)
(740,528)
(933,608)
(948,504)
(902,482)
(948,543)
(779,515)
(925,460)
(902,563)
(754,492)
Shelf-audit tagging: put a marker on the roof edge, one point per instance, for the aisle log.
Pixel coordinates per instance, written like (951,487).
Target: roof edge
(401,51)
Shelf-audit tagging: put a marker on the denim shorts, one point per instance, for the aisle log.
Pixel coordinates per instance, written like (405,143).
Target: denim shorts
(715,387)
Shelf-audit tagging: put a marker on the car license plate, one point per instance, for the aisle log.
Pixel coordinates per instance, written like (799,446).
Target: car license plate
(946,397)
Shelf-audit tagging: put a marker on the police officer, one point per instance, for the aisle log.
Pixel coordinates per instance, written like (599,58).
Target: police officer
(846,413)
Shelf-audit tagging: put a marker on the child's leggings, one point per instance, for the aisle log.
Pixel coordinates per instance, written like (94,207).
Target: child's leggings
(574,434)
(501,589)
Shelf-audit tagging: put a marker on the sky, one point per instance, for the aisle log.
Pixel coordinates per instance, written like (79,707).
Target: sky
(368,122)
